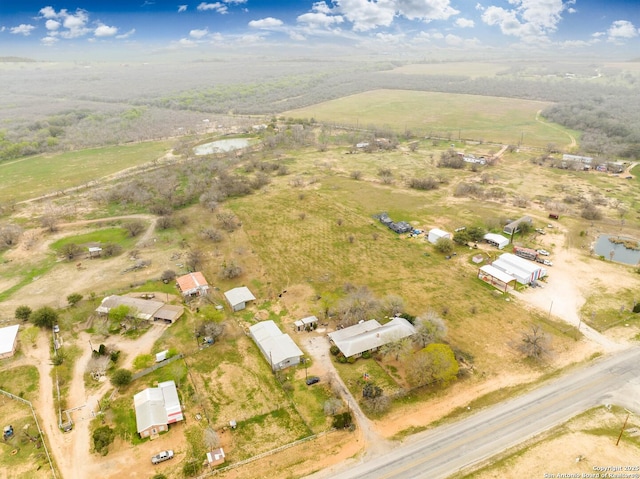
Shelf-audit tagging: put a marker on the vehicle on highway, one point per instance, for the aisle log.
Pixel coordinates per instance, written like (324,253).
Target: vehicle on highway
(312,380)
(162,456)
(543,252)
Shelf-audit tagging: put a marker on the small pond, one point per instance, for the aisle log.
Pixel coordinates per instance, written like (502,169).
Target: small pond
(221,146)
(621,254)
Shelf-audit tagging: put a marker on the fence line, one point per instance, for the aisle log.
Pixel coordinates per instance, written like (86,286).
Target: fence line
(264,454)
(159,365)
(35,418)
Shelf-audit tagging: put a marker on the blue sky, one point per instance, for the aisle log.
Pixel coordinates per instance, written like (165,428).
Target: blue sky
(86,28)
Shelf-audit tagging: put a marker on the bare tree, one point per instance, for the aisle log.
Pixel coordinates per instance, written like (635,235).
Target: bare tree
(392,305)
(10,234)
(211,234)
(195,258)
(50,222)
(396,348)
(211,439)
(534,343)
(211,329)
(360,304)
(230,270)
(430,328)
(134,228)
(228,221)
(332,406)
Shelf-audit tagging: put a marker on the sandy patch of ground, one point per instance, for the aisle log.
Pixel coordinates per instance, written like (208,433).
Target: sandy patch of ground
(559,455)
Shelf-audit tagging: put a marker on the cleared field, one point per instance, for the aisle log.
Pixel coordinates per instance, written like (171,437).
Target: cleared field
(481,118)
(468,69)
(42,174)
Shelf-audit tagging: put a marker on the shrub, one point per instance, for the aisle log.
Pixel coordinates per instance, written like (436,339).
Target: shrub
(23,312)
(636,308)
(351,359)
(45,317)
(121,377)
(74,298)
(341,359)
(102,438)
(111,249)
(334,350)
(366,355)
(342,421)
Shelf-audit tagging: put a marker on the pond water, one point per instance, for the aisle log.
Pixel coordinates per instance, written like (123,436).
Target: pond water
(604,247)
(221,146)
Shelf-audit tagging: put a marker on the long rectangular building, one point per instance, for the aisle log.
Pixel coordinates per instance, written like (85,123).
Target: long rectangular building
(525,272)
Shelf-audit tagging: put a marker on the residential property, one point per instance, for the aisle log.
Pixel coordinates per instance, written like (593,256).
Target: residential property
(278,348)
(585,160)
(496,240)
(192,284)
(525,272)
(8,341)
(370,335)
(435,234)
(306,324)
(496,277)
(147,309)
(238,298)
(514,226)
(156,408)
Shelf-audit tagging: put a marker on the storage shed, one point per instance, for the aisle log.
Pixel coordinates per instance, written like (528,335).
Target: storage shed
(435,234)
(238,297)
(278,348)
(305,324)
(496,240)
(156,408)
(524,271)
(8,341)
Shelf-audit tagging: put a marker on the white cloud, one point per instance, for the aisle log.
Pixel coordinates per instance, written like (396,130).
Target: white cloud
(185,42)
(48,40)
(182,8)
(320,20)
(390,38)
(105,31)
(217,7)
(126,35)
(621,30)
(23,29)
(52,25)
(297,36)
(528,19)
(198,34)
(48,12)
(268,22)
(464,23)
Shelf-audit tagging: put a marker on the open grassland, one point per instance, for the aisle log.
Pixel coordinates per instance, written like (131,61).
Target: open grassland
(102,236)
(42,174)
(453,116)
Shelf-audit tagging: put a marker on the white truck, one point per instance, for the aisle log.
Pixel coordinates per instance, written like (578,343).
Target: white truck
(162,456)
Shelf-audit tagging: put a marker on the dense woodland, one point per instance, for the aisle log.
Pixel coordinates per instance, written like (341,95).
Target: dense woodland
(56,107)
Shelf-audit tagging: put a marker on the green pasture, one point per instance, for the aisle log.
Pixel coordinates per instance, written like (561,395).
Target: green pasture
(38,175)
(102,236)
(25,273)
(453,116)
(21,381)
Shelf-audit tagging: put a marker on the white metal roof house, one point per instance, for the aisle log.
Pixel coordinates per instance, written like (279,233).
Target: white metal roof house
(8,341)
(156,408)
(238,297)
(524,271)
(370,335)
(496,240)
(435,234)
(278,348)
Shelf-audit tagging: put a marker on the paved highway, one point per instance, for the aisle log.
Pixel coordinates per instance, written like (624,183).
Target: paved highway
(443,451)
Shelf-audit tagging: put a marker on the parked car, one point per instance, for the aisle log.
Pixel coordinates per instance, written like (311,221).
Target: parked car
(543,252)
(162,456)
(548,263)
(312,380)
(56,329)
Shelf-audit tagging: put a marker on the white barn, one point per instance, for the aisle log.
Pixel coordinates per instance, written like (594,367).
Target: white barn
(370,335)
(524,271)
(156,408)
(435,234)
(238,297)
(278,348)
(8,341)
(496,240)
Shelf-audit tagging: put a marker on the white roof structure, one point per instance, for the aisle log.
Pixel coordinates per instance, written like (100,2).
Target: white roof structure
(240,295)
(370,335)
(278,348)
(146,308)
(523,270)
(497,273)
(304,322)
(192,284)
(435,234)
(499,240)
(8,337)
(157,406)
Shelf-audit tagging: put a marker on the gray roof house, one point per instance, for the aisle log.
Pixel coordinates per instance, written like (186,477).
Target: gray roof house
(370,335)
(514,226)
(238,297)
(146,309)
(278,348)
(156,408)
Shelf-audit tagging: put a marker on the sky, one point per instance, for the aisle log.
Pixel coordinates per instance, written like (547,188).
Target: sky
(90,29)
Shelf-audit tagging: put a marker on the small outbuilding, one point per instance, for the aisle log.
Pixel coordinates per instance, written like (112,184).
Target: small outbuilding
(8,341)
(215,457)
(496,240)
(306,324)
(192,284)
(238,297)
(435,234)
(95,251)
(278,348)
